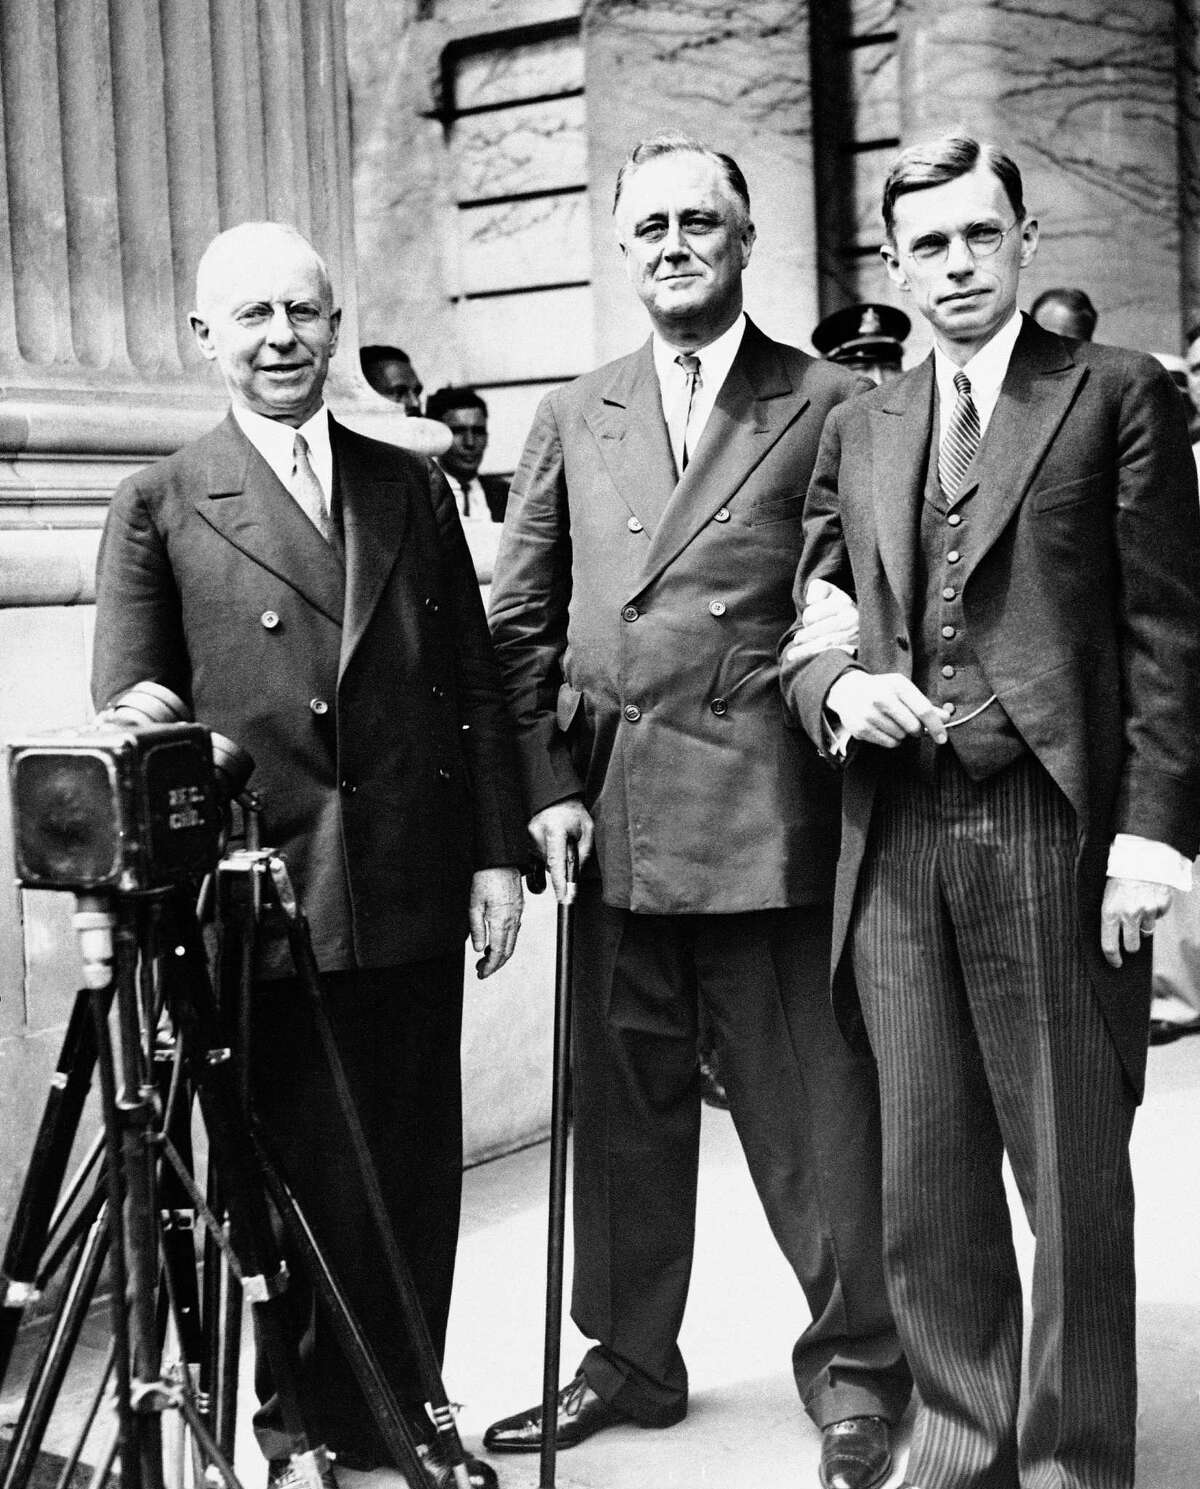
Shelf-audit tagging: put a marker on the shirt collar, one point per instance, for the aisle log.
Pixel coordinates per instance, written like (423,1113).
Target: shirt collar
(986,370)
(715,359)
(275,441)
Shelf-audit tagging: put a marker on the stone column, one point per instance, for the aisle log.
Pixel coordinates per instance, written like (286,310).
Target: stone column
(1084,98)
(1188,64)
(736,77)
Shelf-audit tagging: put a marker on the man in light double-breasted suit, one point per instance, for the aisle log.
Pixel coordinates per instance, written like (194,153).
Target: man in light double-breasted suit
(310,594)
(642,582)
(1017,520)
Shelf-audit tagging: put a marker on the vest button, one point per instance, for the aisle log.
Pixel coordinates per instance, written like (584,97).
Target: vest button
(953,556)
(630,612)
(634,525)
(949,593)
(954,519)
(443,773)
(318,706)
(721,514)
(437,691)
(950,709)
(632,713)
(719,707)
(349,788)
(902,642)
(947,670)
(716,607)
(949,632)
(431,604)
(269,620)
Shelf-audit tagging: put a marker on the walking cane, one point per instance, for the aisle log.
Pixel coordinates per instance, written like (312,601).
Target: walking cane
(558,1168)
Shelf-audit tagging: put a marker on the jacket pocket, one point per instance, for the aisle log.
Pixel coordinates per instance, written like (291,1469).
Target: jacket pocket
(775,509)
(1071,493)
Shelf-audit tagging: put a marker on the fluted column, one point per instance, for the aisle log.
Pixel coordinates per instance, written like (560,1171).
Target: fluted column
(130,132)
(1084,97)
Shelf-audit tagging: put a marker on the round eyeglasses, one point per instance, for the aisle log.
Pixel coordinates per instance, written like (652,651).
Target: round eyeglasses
(983,239)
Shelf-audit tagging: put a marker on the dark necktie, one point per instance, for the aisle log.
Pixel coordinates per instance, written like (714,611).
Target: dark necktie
(682,411)
(960,440)
(307,490)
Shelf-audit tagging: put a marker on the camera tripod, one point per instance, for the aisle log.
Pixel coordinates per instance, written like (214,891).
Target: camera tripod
(162,1036)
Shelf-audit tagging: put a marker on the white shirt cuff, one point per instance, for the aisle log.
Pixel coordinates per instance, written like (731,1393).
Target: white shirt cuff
(1131,857)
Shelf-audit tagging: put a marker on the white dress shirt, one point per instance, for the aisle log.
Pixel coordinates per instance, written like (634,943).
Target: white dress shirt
(275,442)
(470,499)
(715,361)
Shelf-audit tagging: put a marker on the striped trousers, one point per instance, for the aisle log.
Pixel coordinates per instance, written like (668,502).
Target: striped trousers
(966,952)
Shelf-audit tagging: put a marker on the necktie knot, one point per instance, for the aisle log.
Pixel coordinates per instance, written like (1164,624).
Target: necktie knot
(690,364)
(963,383)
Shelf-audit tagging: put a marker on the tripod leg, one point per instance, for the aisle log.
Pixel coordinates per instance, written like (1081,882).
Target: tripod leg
(300,944)
(393,1428)
(51,1151)
(51,1369)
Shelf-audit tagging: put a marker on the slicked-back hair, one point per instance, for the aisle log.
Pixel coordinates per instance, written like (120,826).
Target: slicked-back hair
(372,355)
(1076,302)
(659,145)
(946,159)
(445,400)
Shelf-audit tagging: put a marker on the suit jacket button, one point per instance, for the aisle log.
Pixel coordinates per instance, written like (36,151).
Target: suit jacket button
(954,519)
(443,773)
(721,514)
(349,787)
(634,525)
(719,707)
(953,556)
(437,691)
(716,607)
(947,670)
(431,604)
(632,713)
(318,706)
(902,642)
(630,612)
(269,619)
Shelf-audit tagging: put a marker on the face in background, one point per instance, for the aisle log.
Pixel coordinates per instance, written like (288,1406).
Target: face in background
(965,298)
(1193,372)
(685,238)
(397,381)
(469,436)
(265,315)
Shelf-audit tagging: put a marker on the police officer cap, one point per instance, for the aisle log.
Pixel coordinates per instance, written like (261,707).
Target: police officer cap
(863,333)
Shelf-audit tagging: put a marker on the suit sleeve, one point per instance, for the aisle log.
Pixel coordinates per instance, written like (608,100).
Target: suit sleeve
(1157,530)
(139,627)
(530,604)
(805,684)
(500,839)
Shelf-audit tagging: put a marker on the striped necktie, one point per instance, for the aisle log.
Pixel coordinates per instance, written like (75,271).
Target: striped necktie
(681,410)
(960,440)
(307,490)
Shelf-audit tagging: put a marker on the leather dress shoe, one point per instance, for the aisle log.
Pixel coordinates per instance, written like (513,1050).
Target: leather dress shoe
(856,1453)
(1166,1031)
(439,1474)
(580,1414)
(288,1473)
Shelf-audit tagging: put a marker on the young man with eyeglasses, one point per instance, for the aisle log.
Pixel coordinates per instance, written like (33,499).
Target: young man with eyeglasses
(1017,519)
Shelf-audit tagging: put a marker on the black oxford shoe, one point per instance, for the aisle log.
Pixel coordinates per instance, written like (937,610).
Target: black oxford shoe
(439,1474)
(580,1414)
(856,1453)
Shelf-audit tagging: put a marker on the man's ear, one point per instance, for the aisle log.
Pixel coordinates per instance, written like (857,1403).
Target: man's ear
(749,235)
(335,326)
(891,261)
(1029,241)
(203,335)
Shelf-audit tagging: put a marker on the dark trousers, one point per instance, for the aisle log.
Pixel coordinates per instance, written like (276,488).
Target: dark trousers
(806,1110)
(989,1040)
(398,1032)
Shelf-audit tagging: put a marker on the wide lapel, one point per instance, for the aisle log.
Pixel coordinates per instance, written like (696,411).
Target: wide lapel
(1038,389)
(246,503)
(757,402)
(631,433)
(375,514)
(901,434)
